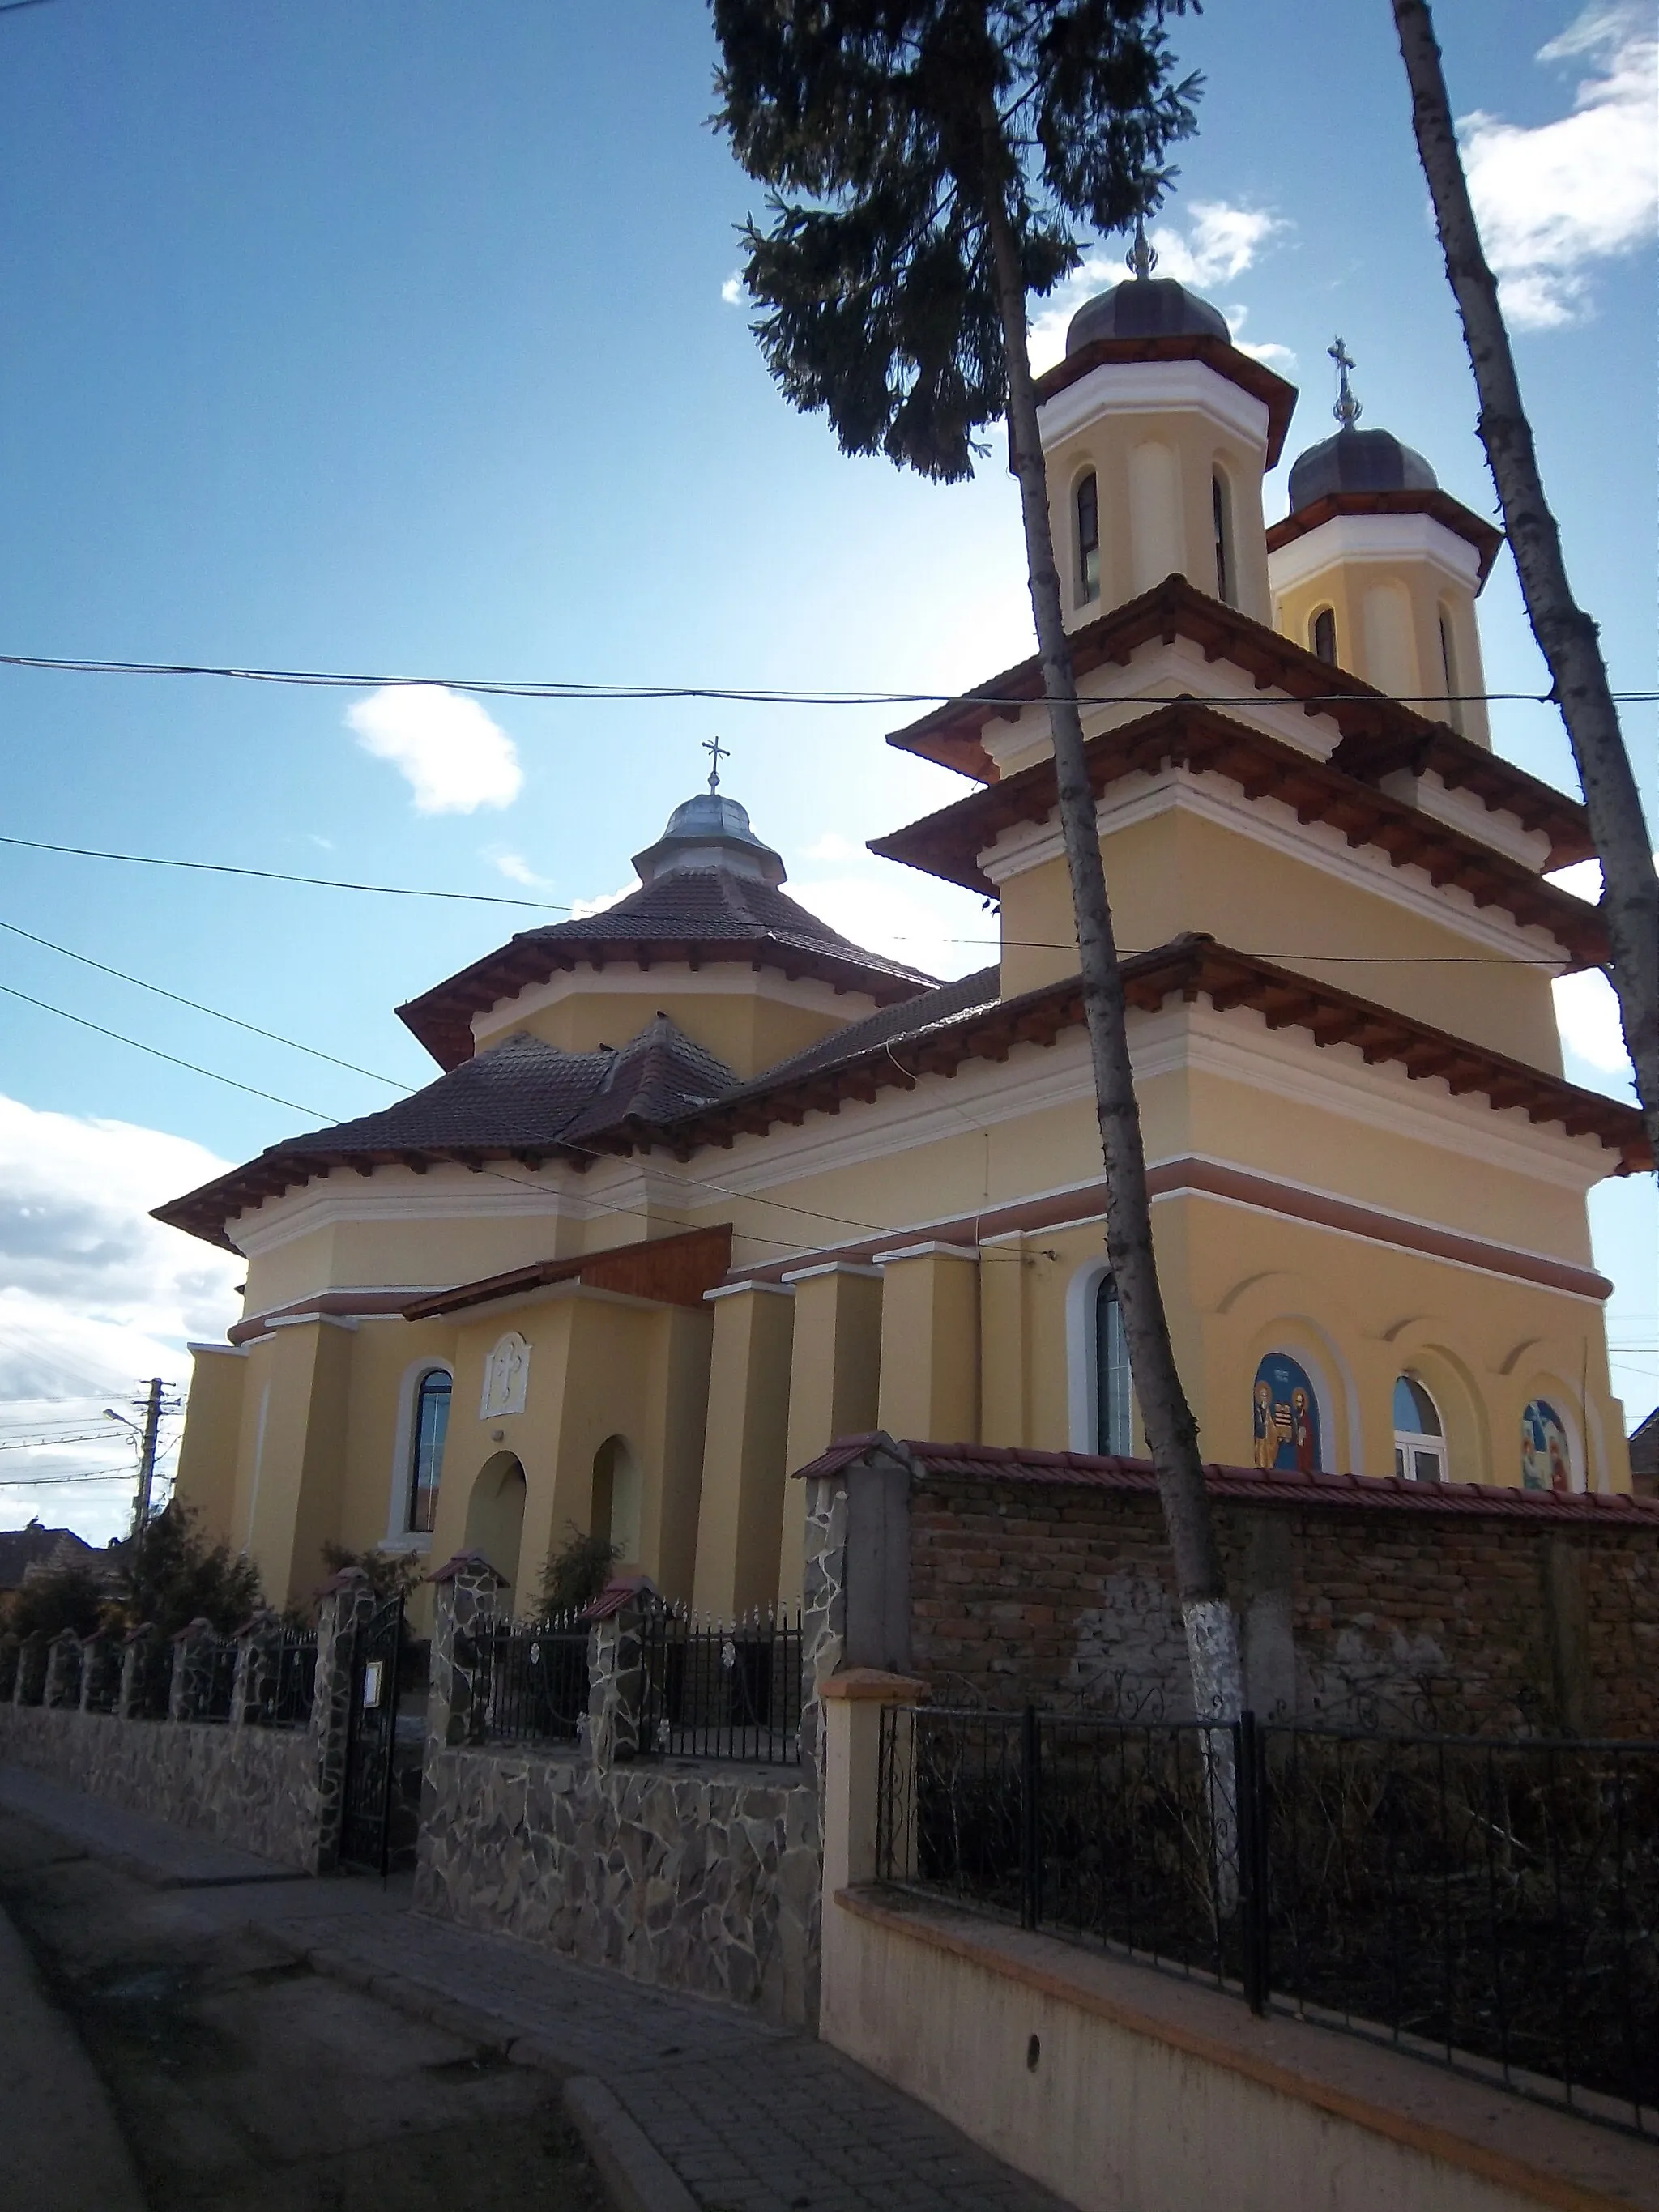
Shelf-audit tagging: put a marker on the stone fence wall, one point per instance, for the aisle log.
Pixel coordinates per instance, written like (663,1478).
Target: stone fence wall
(184,1727)
(1048,1579)
(698,1875)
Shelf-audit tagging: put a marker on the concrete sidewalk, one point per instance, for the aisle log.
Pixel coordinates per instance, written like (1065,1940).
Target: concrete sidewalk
(743,2117)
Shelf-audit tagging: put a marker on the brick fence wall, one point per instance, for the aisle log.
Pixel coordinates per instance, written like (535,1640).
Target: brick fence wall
(1049,1577)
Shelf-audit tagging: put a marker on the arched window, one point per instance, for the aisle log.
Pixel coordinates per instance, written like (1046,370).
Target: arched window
(1221,507)
(1113,1391)
(427,1456)
(1088,537)
(1321,635)
(1420,1437)
(1448,669)
(1545,1449)
(1285,1414)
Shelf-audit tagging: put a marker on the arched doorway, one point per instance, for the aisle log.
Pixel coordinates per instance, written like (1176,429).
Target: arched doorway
(617,1499)
(495,1518)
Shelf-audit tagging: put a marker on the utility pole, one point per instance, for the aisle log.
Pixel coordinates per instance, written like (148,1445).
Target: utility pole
(149,1436)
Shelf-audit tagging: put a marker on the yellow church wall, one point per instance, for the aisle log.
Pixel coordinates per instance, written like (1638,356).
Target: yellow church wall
(290,1493)
(601,1367)
(929,1385)
(745,1464)
(205,1478)
(1175,870)
(835,1375)
(746,1019)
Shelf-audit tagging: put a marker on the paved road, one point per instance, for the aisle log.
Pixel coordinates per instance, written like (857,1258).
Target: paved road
(751,2118)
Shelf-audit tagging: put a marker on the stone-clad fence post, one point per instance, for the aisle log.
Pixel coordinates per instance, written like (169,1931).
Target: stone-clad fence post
(258,1663)
(467,1594)
(32,1668)
(346,1603)
(63,1684)
(8,1645)
(193,1670)
(100,1672)
(616,1671)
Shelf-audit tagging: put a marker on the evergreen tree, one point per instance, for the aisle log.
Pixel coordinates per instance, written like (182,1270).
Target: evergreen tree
(1567,637)
(172,1577)
(929,163)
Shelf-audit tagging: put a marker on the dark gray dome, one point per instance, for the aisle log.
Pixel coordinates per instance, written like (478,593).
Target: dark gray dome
(710,831)
(1358,460)
(1146,307)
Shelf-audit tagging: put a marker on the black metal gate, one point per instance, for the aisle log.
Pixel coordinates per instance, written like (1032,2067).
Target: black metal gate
(371,1740)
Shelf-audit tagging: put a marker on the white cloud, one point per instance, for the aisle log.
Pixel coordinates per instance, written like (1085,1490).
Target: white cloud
(517,870)
(96,1295)
(832,846)
(455,758)
(1587,1014)
(582,908)
(949,934)
(1219,242)
(734,292)
(1581,189)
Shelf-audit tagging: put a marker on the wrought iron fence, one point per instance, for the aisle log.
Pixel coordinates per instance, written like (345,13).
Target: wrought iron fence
(714,1690)
(283,1687)
(534,1681)
(1491,1904)
(216,1679)
(152,1679)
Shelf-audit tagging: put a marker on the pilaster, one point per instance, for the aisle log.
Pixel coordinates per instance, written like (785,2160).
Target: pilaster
(834,1376)
(740,1522)
(930,1343)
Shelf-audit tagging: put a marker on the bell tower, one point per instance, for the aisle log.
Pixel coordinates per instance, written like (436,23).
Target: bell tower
(1377,570)
(1156,432)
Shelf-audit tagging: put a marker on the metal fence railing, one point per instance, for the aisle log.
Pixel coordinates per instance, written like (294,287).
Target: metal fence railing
(534,1685)
(152,1679)
(1492,1905)
(217,1679)
(714,1691)
(284,1689)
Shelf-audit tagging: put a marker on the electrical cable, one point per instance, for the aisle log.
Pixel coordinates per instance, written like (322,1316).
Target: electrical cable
(742,694)
(157,1053)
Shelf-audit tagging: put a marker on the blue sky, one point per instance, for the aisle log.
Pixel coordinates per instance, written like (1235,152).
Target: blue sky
(392,338)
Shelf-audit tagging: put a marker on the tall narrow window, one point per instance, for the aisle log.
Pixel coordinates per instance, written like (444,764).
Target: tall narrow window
(1114,1397)
(1420,1438)
(1323,634)
(1088,538)
(427,1460)
(1221,509)
(1448,669)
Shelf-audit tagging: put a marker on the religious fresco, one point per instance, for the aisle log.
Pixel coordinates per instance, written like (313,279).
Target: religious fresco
(1545,1455)
(1286,1417)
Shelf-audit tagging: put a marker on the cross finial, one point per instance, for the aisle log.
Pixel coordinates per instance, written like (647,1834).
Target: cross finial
(1140,258)
(717,752)
(1347,408)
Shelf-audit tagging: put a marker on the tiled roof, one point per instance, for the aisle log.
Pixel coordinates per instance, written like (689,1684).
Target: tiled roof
(698,916)
(1385,1493)
(35,1547)
(912,1019)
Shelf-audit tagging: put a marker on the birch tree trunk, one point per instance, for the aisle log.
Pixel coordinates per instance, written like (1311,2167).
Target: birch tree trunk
(1566,636)
(1172,1432)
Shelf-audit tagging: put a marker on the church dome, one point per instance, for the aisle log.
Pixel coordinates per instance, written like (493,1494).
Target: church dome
(1358,460)
(1146,307)
(710,831)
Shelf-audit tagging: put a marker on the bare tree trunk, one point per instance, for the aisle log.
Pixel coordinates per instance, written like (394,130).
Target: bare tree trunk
(1566,636)
(1172,1431)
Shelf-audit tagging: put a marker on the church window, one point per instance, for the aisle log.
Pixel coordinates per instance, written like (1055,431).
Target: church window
(1113,1391)
(1286,1417)
(1322,634)
(427,1459)
(1448,669)
(1546,1452)
(1088,537)
(1420,1437)
(1221,509)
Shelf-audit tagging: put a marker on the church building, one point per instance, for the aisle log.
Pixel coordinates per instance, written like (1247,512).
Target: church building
(702,1185)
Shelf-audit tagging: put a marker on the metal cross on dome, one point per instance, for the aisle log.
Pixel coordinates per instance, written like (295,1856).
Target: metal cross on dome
(1347,409)
(717,752)
(1141,259)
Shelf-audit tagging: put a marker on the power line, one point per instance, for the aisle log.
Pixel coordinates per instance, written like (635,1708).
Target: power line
(155,1053)
(546,906)
(196,1006)
(742,694)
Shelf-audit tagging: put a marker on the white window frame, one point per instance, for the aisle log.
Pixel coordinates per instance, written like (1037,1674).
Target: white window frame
(1083,1364)
(1408,1443)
